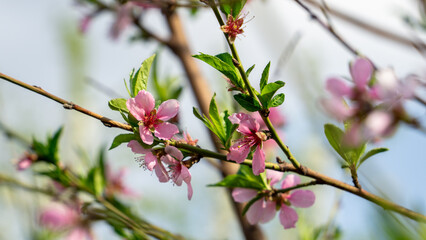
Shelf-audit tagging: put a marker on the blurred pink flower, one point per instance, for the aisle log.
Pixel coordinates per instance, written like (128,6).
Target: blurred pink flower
(115,183)
(252,138)
(26,161)
(61,217)
(263,210)
(123,19)
(142,108)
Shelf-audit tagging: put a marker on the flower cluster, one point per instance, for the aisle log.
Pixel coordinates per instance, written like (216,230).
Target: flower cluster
(154,160)
(374,107)
(264,209)
(153,121)
(252,138)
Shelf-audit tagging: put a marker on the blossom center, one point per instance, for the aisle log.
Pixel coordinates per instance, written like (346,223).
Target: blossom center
(150,120)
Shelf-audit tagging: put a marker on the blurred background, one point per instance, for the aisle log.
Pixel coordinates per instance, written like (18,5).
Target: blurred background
(40,44)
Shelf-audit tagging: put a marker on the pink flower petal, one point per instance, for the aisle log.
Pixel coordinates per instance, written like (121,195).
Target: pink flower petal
(276,117)
(302,198)
(274,176)
(173,151)
(288,217)
(123,20)
(150,161)
(255,212)
(135,109)
(269,211)
(190,191)
(165,130)
(161,173)
(361,71)
(24,163)
(79,233)
(146,135)
(290,181)
(236,118)
(377,123)
(145,100)
(168,109)
(243,194)
(136,147)
(169,160)
(248,126)
(338,88)
(258,161)
(336,108)
(238,154)
(58,216)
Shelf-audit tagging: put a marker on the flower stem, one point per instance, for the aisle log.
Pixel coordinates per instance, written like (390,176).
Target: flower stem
(243,74)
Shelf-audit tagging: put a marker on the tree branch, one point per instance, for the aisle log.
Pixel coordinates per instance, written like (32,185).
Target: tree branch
(68,105)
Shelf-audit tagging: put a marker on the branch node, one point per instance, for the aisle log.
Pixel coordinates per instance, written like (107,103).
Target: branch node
(68,105)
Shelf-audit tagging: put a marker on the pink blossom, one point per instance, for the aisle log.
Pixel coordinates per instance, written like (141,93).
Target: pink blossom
(155,160)
(150,160)
(263,210)
(252,138)
(187,139)
(84,23)
(60,217)
(151,119)
(115,184)
(179,172)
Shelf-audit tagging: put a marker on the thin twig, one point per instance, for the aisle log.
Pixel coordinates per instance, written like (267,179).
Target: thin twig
(68,105)
(367,26)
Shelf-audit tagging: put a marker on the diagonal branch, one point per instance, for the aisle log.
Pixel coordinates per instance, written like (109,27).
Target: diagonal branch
(67,104)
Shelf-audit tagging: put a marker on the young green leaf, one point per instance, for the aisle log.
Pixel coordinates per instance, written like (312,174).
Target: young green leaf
(232,7)
(268,91)
(139,80)
(371,153)
(122,138)
(249,70)
(239,181)
(265,76)
(118,104)
(216,120)
(247,102)
(335,137)
(277,100)
(223,65)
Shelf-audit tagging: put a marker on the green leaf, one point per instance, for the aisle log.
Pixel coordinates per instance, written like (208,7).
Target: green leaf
(230,129)
(122,138)
(118,104)
(265,76)
(239,181)
(249,70)
(197,114)
(335,137)
(223,65)
(232,7)
(95,182)
(247,102)
(277,100)
(139,80)
(371,153)
(269,90)
(216,120)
